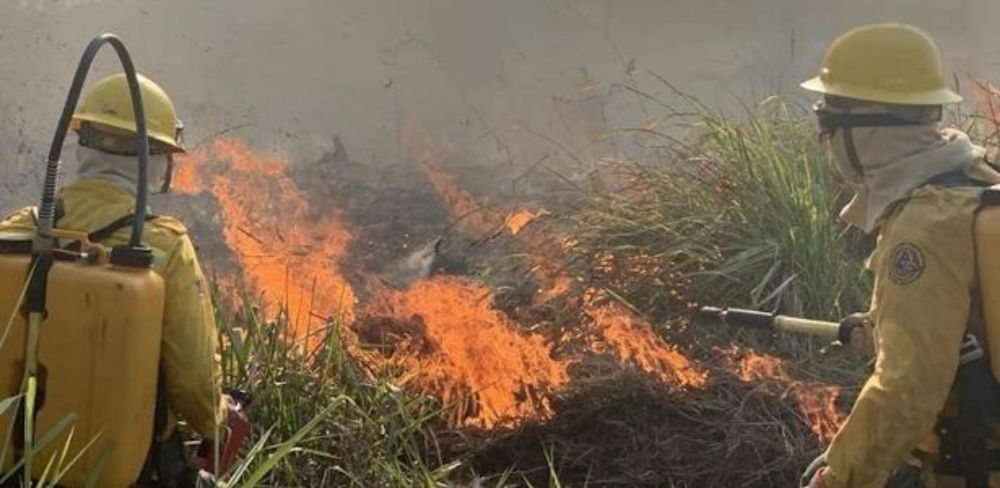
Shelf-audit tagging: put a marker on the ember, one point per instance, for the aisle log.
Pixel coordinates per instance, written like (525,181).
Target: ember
(816,401)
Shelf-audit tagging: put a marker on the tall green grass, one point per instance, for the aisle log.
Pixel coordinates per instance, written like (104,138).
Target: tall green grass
(323,419)
(745,208)
(331,422)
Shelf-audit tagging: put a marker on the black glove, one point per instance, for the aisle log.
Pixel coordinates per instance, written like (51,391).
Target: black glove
(857,336)
(242,397)
(908,476)
(812,469)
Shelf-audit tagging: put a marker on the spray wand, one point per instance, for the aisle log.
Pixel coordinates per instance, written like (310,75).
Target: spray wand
(133,254)
(754,319)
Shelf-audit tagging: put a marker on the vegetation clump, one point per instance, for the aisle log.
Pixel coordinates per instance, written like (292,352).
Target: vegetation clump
(746,212)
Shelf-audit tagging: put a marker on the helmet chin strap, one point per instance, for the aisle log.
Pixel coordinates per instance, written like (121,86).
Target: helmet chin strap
(852,151)
(168,175)
(829,130)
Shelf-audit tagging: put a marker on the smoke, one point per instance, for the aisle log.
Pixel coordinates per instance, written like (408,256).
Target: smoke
(62,5)
(490,78)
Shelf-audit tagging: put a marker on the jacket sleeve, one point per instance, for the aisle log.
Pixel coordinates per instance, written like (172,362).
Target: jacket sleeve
(924,276)
(189,348)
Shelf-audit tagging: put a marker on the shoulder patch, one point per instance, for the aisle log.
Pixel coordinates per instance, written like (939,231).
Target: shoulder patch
(171,224)
(906,263)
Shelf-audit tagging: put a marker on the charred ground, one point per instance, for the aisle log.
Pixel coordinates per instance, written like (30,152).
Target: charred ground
(594,387)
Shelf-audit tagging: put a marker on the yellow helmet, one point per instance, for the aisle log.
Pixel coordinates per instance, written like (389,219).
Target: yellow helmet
(885,63)
(108,106)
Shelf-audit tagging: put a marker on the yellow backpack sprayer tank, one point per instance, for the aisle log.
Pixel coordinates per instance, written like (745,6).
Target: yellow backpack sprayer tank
(80,338)
(987,240)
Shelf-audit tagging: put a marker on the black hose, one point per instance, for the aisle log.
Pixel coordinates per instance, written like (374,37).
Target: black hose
(46,212)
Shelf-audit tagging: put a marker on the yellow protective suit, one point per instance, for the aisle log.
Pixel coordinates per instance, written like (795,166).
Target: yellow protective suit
(188,360)
(925,279)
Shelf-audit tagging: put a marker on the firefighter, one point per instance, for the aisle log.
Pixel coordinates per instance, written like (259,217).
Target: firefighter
(99,201)
(918,187)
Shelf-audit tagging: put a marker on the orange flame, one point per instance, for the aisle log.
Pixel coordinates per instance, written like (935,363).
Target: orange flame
(286,254)
(469,354)
(443,332)
(517,221)
(819,405)
(459,348)
(462,206)
(754,367)
(634,341)
(477,218)
(617,330)
(817,402)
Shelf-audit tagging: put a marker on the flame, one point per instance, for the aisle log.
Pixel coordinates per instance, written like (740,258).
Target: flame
(186,178)
(616,329)
(463,207)
(634,341)
(449,340)
(467,353)
(443,333)
(286,254)
(477,218)
(517,221)
(816,401)
(819,405)
(754,367)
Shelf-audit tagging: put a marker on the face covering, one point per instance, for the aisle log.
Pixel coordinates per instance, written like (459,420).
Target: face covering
(894,162)
(120,171)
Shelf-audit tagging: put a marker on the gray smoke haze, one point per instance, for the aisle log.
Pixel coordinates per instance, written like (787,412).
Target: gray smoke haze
(298,72)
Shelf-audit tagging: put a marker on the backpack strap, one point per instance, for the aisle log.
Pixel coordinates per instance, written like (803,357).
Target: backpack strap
(955,179)
(109,230)
(100,234)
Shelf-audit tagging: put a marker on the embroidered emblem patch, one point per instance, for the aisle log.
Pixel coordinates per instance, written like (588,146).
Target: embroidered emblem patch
(906,264)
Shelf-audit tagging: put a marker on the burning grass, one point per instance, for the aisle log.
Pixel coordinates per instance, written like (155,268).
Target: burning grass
(439,380)
(737,421)
(322,419)
(456,346)
(628,337)
(287,255)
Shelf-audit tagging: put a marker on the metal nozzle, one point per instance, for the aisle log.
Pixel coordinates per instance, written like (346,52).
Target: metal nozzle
(712,314)
(738,316)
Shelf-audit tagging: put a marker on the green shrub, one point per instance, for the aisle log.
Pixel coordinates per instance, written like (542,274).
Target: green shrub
(747,212)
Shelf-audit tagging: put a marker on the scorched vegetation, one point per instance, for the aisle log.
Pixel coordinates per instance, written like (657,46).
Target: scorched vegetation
(583,368)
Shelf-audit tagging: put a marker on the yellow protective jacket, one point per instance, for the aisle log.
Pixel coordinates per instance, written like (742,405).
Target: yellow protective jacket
(188,361)
(925,278)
